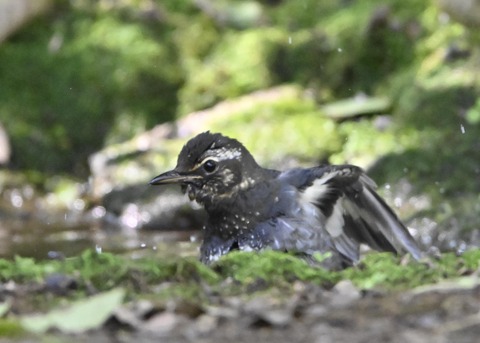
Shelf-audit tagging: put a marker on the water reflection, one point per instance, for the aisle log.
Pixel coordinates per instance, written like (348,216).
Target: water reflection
(57,240)
(31,226)
(47,226)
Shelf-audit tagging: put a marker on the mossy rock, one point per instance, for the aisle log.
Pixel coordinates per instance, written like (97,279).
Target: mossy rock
(87,76)
(239,64)
(285,114)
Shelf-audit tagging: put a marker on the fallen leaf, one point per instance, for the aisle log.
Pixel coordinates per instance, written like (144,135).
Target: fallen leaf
(4,307)
(80,316)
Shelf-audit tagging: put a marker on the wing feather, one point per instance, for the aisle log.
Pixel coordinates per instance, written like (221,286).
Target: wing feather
(355,213)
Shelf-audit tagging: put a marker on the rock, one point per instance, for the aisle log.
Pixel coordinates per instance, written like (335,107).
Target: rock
(163,323)
(356,106)
(5,150)
(203,325)
(467,12)
(344,293)
(270,311)
(60,284)
(133,314)
(14,13)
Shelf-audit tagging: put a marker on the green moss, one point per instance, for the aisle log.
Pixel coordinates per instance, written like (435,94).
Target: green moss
(273,268)
(106,271)
(85,74)
(239,64)
(11,329)
(385,270)
(364,144)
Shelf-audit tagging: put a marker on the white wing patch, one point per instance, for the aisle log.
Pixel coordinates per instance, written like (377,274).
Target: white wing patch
(314,193)
(319,190)
(335,222)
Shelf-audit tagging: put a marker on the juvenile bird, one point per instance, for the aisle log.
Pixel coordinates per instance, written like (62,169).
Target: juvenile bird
(325,209)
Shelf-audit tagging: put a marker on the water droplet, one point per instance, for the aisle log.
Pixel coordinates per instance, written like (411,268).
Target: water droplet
(16,198)
(78,204)
(99,212)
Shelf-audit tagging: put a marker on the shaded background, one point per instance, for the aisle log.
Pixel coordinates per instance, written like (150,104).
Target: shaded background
(86,85)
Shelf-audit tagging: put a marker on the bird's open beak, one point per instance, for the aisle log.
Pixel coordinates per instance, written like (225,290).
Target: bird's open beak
(172,177)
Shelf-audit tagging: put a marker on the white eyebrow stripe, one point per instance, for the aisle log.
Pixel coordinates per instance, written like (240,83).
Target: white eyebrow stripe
(222,154)
(218,155)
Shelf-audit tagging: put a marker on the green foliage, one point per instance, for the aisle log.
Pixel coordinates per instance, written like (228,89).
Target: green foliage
(473,114)
(239,64)
(96,72)
(83,74)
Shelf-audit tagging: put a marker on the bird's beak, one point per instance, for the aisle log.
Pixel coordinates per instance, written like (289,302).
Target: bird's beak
(172,177)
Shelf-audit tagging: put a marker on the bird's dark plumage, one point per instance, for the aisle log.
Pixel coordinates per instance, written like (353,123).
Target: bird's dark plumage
(322,209)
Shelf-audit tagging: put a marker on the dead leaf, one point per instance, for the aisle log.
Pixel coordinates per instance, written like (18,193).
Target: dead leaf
(80,316)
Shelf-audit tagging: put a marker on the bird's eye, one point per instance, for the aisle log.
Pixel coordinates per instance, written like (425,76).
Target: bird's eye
(209,166)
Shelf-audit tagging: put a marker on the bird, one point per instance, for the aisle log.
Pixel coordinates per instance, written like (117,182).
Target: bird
(326,210)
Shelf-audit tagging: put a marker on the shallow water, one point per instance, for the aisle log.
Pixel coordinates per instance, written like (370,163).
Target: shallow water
(31,227)
(42,226)
(39,240)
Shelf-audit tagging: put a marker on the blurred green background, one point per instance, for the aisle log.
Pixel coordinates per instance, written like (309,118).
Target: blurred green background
(88,74)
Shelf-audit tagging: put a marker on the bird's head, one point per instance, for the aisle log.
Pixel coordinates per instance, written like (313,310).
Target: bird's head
(210,167)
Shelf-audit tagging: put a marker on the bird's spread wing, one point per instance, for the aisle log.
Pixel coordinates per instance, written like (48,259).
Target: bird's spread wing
(354,213)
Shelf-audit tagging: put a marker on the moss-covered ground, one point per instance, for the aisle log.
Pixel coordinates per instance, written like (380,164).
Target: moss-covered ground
(236,273)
